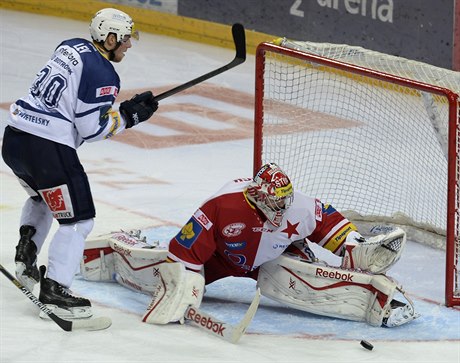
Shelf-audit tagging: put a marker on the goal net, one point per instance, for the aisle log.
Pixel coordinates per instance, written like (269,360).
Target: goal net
(376,135)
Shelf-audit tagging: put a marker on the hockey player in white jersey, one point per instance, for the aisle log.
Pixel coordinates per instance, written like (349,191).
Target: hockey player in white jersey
(69,102)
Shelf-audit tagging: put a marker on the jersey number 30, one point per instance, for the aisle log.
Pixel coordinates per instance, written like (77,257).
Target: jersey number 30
(48,88)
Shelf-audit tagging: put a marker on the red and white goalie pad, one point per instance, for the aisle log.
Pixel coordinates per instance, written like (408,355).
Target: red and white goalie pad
(324,290)
(123,257)
(375,254)
(177,290)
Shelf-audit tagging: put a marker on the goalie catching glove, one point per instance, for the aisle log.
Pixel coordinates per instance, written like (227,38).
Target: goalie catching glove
(138,109)
(375,254)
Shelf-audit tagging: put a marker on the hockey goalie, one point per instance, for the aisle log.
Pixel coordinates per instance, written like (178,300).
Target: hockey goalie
(261,228)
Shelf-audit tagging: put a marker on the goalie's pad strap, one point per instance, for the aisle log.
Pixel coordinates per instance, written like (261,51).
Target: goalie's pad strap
(177,290)
(97,262)
(328,291)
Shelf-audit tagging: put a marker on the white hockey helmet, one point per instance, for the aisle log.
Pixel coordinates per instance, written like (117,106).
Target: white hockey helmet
(111,20)
(272,192)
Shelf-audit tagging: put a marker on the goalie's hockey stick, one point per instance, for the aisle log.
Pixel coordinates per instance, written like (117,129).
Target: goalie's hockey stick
(239,39)
(87,324)
(228,332)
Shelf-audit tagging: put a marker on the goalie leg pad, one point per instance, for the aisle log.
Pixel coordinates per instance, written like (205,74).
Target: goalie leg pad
(376,254)
(177,290)
(125,258)
(380,300)
(326,290)
(136,262)
(98,263)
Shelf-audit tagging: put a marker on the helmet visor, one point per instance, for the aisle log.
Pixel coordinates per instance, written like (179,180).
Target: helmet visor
(133,35)
(134,32)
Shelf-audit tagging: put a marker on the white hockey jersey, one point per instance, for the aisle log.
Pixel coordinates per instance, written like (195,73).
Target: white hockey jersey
(71,98)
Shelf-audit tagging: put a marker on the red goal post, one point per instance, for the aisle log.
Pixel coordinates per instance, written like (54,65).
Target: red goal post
(377,136)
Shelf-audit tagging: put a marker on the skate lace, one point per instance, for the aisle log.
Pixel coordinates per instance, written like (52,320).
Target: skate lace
(66,292)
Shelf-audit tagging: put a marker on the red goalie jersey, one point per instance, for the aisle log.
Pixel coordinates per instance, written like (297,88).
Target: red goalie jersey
(229,236)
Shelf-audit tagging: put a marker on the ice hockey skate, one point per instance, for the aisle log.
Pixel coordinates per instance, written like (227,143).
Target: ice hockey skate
(26,258)
(59,299)
(399,313)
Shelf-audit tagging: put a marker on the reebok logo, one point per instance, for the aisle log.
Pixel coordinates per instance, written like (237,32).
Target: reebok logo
(334,275)
(121,250)
(125,239)
(205,322)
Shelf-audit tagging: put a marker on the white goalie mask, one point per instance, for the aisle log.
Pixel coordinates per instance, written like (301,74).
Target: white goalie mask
(114,21)
(272,192)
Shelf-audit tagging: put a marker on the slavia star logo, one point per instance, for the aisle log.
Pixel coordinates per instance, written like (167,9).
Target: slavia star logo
(291,229)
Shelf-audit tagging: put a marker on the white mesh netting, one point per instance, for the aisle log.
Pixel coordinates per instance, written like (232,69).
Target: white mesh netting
(374,149)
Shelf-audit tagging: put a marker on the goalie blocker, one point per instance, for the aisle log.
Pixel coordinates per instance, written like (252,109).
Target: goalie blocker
(297,282)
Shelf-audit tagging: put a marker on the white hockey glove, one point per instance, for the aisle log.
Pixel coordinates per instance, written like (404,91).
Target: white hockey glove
(376,254)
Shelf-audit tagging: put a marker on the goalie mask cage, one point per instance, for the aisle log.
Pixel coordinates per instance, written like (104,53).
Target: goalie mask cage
(377,136)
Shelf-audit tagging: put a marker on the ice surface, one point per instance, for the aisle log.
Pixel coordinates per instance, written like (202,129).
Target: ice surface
(156,189)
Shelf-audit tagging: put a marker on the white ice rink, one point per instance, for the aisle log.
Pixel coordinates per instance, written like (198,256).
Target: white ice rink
(152,178)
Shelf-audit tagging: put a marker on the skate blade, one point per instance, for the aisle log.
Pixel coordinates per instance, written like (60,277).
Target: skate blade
(68,313)
(27,281)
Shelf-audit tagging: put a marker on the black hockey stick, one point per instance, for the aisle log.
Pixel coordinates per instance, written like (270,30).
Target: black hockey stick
(89,324)
(239,39)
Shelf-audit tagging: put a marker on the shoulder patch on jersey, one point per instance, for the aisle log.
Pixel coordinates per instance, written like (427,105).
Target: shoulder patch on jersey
(328,209)
(189,233)
(106,91)
(318,210)
(202,219)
